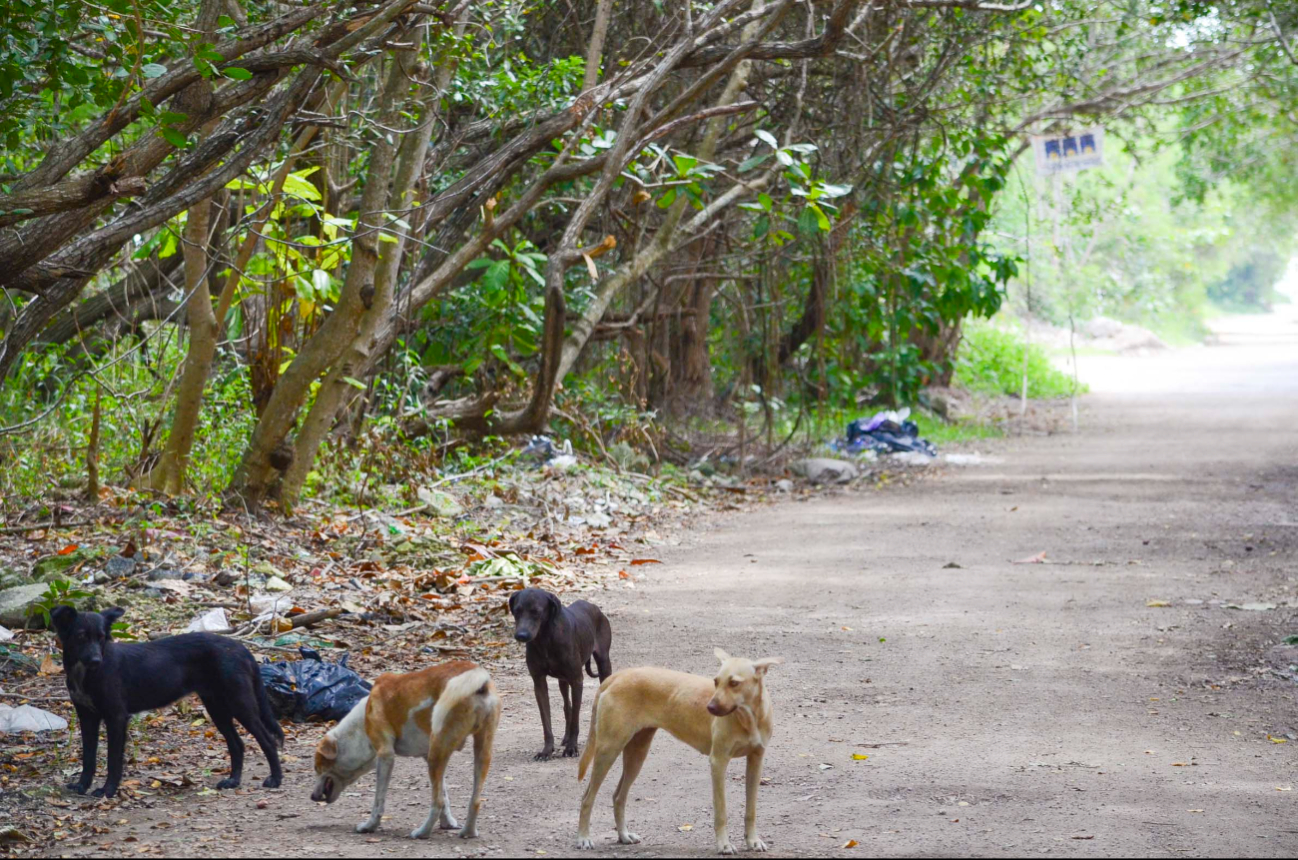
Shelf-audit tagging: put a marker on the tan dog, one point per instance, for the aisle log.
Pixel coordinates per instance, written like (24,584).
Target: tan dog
(727,717)
(428,714)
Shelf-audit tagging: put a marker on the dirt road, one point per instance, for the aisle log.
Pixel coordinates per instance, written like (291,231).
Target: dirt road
(1107,703)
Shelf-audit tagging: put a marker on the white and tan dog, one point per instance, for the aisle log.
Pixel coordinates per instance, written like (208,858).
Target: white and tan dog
(726,717)
(427,714)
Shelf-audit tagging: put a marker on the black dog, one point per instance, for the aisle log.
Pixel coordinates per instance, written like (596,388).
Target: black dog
(109,681)
(559,642)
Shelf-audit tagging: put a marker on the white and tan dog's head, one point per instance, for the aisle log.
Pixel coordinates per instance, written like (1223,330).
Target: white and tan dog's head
(333,773)
(738,683)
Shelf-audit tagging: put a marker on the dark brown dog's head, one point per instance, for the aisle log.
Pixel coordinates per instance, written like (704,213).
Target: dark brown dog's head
(84,636)
(738,683)
(532,609)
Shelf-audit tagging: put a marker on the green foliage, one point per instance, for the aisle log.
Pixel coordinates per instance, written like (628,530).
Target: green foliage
(991,362)
(60,592)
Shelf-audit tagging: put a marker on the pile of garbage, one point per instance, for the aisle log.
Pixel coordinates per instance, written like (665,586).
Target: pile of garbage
(890,432)
(312,688)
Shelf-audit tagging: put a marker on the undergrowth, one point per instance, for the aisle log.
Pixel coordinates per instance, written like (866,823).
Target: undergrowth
(991,362)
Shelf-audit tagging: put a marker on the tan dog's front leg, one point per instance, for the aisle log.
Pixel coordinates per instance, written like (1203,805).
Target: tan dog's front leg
(752,780)
(719,763)
(383,777)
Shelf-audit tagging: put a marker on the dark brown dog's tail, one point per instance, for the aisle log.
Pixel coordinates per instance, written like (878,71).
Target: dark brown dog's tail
(588,669)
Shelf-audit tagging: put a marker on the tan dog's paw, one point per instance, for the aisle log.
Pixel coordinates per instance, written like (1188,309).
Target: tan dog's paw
(369,825)
(468,833)
(725,847)
(755,844)
(585,843)
(628,838)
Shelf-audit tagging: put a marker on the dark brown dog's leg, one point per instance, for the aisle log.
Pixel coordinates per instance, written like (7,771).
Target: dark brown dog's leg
(573,729)
(543,703)
(89,721)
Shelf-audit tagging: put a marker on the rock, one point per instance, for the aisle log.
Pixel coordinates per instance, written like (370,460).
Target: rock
(120,565)
(784,485)
(1101,327)
(821,470)
(440,503)
(276,583)
(6,634)
(493,501)
(10,578)
(212,621)
(29,719)
(14,603)
(599,520)
(161,573)
(225,577)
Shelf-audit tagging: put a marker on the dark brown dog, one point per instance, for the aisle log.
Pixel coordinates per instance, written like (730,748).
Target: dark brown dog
(560,641)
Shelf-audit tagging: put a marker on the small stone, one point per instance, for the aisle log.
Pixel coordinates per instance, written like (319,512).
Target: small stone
(120,565)
(161,573)
(275,583)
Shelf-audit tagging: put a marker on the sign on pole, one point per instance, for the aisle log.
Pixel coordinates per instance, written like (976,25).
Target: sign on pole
(1069,153)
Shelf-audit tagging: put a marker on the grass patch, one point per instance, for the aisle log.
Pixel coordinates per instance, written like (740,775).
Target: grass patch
(991,362)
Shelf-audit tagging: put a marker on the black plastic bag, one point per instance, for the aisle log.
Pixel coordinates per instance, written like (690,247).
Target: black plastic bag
(312,689)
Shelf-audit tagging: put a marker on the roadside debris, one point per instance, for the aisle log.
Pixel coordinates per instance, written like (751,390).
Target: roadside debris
(26,718)
(888,432)
(212,621)
(312,688)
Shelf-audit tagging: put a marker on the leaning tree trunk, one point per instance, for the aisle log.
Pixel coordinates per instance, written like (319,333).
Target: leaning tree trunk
(337,385)
(256,474)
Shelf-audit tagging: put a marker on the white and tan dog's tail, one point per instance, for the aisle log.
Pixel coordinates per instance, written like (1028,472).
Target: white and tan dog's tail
(465,701)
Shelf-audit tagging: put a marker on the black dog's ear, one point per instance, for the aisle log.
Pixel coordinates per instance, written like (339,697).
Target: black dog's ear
(512,598)
(110,617)
(63,618)
(556,605)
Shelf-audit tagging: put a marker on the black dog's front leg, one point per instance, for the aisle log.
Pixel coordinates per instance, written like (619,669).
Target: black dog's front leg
(573,730)
(89,721)
(543,703)
(116,754)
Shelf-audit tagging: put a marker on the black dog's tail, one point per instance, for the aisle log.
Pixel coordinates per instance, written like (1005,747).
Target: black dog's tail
(264,709)
(602,661)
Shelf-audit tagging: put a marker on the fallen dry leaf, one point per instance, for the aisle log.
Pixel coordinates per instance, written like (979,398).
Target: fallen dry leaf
(1039,558)
(859,757)
(636,561)
(685,828)
(851,843)
(1158,604)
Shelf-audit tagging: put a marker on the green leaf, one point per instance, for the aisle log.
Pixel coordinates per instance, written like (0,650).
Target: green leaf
(153,70)
(767,138)
(667,199)
(354,383)
(237,73)
(174,137)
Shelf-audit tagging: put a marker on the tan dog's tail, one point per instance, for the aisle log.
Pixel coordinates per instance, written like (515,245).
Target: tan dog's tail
(466,690)
(588,754)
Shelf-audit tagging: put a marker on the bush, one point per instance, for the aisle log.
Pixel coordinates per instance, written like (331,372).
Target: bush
(990,361)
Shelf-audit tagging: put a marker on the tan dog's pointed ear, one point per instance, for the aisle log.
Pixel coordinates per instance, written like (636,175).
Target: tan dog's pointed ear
(721,655)
(765,663)
(328,748)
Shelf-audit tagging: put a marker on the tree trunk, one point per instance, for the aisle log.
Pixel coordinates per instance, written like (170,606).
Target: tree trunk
(255,474)
(337,384)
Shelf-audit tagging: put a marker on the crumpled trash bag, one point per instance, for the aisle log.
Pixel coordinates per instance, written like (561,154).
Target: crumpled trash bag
(886,433)
(312,688)
(212,621)
(27,718)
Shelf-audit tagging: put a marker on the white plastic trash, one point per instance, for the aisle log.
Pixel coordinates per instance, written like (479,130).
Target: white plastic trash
(212,621)
(26,718)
